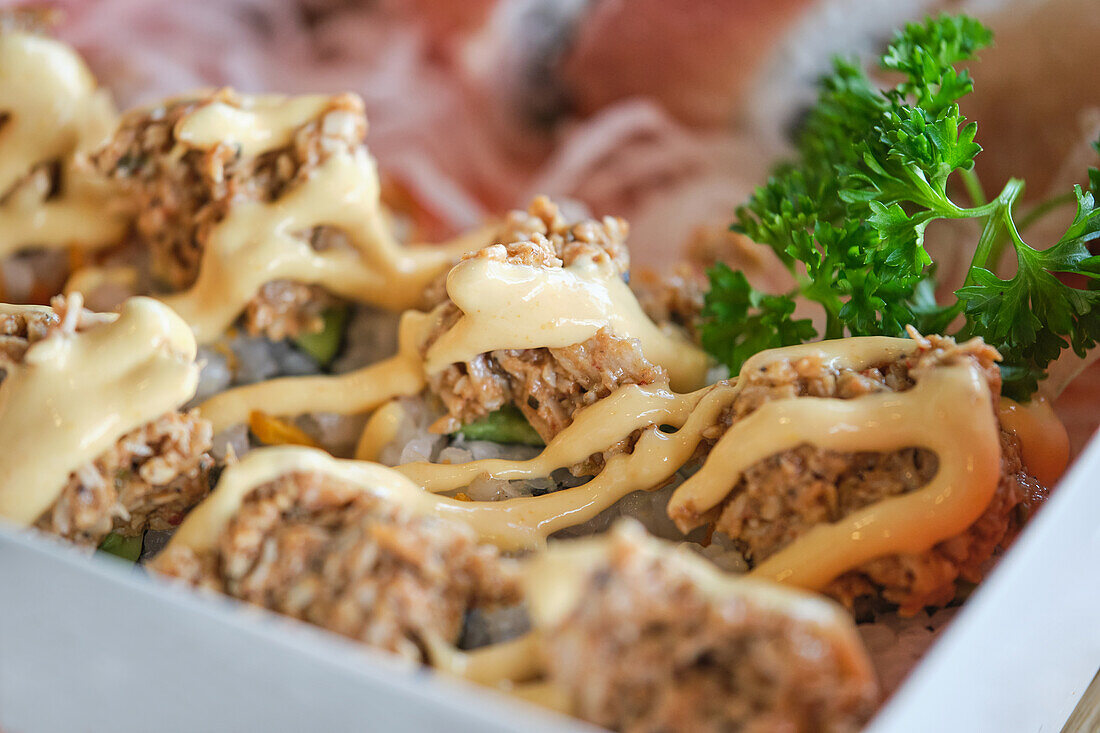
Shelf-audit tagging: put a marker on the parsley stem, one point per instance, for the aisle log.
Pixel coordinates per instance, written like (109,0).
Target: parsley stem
(990,243)
(990,233)
(1038,212)
(1022,248)
(973,187)
(1009,201)
(978,212)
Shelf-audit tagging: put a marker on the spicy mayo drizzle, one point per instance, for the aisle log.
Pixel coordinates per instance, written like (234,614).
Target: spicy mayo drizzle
(553,581)
(75,394)
(948,411)
(518,307)
(53,110)
(259,242)
(512,306)
(506,305)
(354,392)
(202,527)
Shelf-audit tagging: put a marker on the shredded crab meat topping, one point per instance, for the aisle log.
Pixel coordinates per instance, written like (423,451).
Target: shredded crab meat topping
(184,192)
(548,385)
(319,549)
(647,650)
(152,475)
(782,497)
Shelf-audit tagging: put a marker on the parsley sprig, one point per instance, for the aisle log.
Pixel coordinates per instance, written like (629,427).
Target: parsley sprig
(848,216)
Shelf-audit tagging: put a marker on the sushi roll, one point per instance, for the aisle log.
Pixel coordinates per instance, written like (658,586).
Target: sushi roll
(633,633)
(347,546)
(55,212)
(90,416)
(912,460)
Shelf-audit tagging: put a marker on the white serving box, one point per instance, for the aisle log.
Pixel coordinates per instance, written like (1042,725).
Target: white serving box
(90,644)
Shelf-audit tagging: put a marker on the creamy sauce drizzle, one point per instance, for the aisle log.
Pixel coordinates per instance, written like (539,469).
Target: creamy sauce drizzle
(512,306)
(554,581)
(541,313)
(525,522)
(262,122)
(259,242)
(55,111)
(202,527)
(518,660)
(656,457)
(355,392)
(505,305)
(381,430)
(602,424)
(76,394)
(949,411)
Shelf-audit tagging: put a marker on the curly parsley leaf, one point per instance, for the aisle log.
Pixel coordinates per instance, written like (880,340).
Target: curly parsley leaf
(871,174)
(927,54)
(742,321)
(1032,316)
(848,216)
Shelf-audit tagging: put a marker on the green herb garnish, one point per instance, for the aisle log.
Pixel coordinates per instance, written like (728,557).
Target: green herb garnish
(506,425)
(322,346)
(848,217)
(122,547)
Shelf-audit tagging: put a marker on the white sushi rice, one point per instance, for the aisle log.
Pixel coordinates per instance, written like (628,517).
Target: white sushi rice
(721,551)
(215,375)
(260,359)
(370,336)
(256,359)
(461,450)
(412,442)
(648,507)
(234,439)
(339,434)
